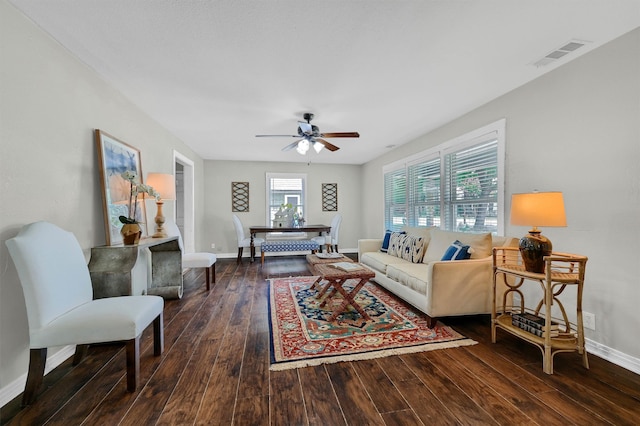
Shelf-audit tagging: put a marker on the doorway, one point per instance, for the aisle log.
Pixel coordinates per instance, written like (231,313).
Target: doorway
(183,170)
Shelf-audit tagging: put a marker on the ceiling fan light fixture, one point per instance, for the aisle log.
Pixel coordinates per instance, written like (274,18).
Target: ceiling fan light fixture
(318,147)
(303,147)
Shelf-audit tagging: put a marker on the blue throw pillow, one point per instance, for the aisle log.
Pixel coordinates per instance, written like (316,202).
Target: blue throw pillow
(385,241)
(457,251)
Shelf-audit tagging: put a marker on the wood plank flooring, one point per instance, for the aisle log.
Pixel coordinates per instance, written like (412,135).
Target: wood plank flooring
(215,370)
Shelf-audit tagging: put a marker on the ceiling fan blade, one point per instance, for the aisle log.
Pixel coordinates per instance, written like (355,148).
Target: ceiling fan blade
(329,146)
(290,146)
(341,135)
(277,136)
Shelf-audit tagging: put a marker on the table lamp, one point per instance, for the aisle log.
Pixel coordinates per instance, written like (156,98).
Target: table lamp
(165,185)
(537,209)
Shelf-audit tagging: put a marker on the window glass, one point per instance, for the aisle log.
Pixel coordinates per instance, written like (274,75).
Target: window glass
(284,189)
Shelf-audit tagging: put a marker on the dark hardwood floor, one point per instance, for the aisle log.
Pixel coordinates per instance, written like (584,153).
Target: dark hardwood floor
(215,370)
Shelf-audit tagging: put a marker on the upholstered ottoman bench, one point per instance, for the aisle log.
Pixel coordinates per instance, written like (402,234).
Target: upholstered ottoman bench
(287,245)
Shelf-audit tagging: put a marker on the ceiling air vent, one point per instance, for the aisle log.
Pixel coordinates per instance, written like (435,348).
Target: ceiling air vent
(560,52)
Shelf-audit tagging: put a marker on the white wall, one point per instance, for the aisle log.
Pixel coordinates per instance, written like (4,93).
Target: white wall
(576,130)
(49,105)
(219,175)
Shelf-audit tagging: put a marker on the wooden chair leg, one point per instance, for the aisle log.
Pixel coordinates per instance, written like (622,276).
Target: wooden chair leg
(37,361)
(133,361)
(81,352)
(213,270)
(206,277)
(262,259)
(239,255)
(158,335)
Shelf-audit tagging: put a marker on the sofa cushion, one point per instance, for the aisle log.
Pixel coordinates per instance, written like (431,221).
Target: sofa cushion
(457,251)
(440,241)
(379,261)
(422,231)
(412,275)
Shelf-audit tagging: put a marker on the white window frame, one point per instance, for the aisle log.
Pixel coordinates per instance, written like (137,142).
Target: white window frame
(495,130)
(269,177)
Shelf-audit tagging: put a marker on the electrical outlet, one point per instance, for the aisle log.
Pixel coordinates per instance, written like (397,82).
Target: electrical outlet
(213,245)
(589,320)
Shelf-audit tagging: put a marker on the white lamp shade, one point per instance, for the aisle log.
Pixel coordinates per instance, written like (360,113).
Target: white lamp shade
(164,184)
(538,209)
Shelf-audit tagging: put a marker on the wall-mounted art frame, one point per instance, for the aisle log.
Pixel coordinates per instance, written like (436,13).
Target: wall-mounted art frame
(329,197)
(240,196)
(116,157)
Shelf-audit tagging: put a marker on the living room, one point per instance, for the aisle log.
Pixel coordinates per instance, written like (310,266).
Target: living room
(575,129)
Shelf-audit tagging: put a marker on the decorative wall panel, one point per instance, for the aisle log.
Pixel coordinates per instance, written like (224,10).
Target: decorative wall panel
(240,196)
(330,197)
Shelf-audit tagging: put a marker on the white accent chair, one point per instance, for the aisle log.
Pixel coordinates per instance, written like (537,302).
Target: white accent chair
(244,241)
(60,307)
(194,260)
(331,240)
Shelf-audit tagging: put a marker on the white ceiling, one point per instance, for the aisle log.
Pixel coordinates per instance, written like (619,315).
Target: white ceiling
(216,73)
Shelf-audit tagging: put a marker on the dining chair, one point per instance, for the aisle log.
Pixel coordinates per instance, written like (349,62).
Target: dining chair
(61,310)
(244,241)
(331,240)
(194,260)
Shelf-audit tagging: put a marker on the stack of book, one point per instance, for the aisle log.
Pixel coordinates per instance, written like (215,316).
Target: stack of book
(534,324)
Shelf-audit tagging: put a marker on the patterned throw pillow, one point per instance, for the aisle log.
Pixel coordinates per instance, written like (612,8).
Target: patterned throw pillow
(457,251)
(413,248)
(396,242)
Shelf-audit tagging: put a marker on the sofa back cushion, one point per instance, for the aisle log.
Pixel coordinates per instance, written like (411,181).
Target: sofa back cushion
(441,240)
(421,231)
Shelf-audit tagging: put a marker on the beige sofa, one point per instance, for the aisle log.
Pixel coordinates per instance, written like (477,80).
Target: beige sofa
(437,288)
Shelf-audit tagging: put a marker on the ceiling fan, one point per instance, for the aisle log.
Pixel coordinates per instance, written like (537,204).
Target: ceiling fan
(311,136)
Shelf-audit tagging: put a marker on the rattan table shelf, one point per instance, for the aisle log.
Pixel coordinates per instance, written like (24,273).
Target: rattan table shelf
(561,271)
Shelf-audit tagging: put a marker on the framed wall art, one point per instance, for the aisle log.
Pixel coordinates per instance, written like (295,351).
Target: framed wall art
(116,157)
(240,196)
(330,197)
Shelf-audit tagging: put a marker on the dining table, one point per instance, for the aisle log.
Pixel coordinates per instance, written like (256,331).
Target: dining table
(261,229)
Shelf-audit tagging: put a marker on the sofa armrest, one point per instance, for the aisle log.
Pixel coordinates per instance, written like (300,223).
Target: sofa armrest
(368,245)
(460,287)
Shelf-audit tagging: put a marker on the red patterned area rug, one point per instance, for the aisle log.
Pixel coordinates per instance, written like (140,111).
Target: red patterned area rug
(301,336)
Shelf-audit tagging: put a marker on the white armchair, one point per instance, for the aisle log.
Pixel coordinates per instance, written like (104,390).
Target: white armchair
(60,307)
(244,241)
(194,260)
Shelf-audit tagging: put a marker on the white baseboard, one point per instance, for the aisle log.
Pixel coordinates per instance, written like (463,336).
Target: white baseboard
(16,387)
(614,356)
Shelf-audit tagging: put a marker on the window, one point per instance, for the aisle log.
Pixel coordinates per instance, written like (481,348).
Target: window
(457,186)
(285,188)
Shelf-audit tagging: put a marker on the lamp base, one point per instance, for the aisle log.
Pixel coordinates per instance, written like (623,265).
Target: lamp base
(160,232)
(533,248)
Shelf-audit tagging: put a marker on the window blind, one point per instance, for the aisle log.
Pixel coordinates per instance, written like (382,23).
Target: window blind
(470,194)
(395,199)
(456,186)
